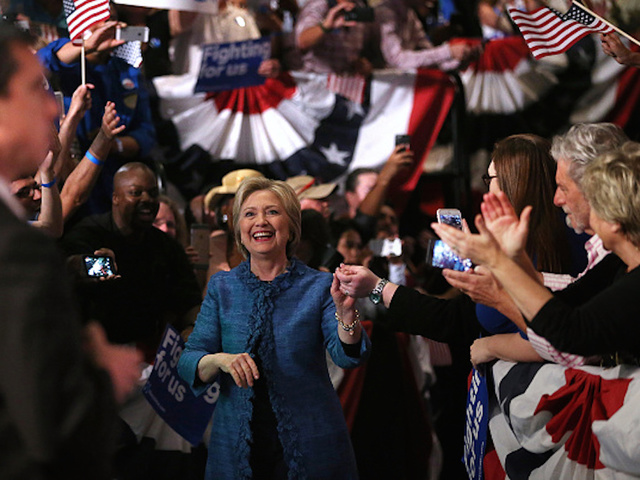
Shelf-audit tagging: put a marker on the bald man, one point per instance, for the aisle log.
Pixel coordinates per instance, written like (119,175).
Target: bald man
(156,285)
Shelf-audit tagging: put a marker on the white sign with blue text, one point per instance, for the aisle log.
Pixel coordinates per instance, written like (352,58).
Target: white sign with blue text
(227,66)
(172,398)
(477,420)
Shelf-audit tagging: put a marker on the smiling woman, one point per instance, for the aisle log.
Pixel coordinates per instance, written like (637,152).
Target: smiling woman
(268,229)
(262,332)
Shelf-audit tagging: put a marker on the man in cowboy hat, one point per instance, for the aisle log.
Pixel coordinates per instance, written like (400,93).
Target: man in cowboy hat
(223,253)
(311,194)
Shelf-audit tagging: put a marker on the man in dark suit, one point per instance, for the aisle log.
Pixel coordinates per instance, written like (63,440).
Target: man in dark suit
(56,399)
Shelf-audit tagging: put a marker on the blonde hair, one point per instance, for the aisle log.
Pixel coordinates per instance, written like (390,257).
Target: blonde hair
(611,184)
(287,197)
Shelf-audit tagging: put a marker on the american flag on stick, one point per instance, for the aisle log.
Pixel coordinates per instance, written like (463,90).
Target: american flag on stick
(548,32)
(83,14)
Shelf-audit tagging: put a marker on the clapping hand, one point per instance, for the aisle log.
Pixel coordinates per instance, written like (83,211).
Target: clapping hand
(501,220)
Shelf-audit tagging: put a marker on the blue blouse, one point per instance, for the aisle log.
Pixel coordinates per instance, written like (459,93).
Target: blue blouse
(289,323)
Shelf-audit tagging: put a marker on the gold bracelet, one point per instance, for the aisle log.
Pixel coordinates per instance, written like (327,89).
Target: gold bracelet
(350,329)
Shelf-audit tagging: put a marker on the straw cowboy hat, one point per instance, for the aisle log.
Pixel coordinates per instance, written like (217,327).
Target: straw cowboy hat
(230,183)
(305,187)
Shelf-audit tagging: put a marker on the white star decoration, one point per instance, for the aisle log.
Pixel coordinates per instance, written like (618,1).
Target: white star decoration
(334,155)
(353,109)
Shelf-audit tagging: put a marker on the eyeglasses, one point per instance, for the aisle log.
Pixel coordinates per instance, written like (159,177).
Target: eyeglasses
(486,178)
(27,191)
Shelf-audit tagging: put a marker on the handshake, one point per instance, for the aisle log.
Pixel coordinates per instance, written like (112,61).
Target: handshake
(357,281)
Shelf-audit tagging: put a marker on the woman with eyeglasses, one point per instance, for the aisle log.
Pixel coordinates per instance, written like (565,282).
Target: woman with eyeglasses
(521,167)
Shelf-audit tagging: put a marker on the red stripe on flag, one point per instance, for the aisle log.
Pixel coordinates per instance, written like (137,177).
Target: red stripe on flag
(255,100)
(548,34)
(86,15)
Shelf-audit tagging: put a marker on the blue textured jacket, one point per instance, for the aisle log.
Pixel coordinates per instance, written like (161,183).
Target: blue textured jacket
(292,318)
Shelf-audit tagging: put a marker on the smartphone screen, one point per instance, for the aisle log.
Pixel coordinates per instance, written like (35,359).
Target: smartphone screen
(391,248)
(98,266)
(450,216)
(440,255)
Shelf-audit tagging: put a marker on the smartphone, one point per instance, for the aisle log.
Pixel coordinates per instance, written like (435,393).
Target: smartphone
(450,216)
(386,247)
(99,265)
(200,241)
(60,102)
(132,34)
(359,14)
(403,140)
(439,255)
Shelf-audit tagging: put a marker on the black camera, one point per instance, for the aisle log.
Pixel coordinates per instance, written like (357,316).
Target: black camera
(359,14)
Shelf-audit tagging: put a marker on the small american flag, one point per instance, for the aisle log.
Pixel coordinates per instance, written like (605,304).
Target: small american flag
(548,32)
(83,14)
(349,86)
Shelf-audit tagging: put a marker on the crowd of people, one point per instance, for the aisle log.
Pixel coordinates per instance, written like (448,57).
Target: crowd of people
(279,287)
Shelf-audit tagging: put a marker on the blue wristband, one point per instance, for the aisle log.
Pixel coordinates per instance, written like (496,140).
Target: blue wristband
(49,185)
(93,159)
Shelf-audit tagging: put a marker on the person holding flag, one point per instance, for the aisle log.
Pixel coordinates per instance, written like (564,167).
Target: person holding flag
(116,80)
(613,46)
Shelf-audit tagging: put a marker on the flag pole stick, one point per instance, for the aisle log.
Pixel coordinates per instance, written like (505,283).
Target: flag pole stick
(621,32)
(82,65)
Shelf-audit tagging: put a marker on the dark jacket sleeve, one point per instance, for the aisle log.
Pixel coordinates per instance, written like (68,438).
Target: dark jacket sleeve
(57,413)
(605,322)
(450,321)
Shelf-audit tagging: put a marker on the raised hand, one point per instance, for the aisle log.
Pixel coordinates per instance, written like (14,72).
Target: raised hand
(111,121)
(102,38)
(335,16)
(482,248)
(501,220)
(80,101)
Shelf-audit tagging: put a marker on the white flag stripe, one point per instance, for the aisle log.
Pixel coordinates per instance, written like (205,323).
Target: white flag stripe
(548,33)
(86,14)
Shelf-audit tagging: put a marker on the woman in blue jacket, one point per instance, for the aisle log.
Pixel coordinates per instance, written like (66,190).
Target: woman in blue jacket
(262,331)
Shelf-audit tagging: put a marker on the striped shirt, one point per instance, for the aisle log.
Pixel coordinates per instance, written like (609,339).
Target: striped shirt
(338,49)
(403,42)
(595,253)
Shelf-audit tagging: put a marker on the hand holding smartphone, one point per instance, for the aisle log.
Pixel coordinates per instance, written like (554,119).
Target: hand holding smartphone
(439,254)
(403,140)
(450,216)
(99,266)
(132,34)
(360,14)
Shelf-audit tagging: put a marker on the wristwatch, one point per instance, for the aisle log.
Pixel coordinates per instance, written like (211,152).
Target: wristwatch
(376,294)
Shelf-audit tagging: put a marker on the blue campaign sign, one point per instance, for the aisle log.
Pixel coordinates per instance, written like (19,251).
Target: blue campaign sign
(172,398)
(227,66)
(477,420)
